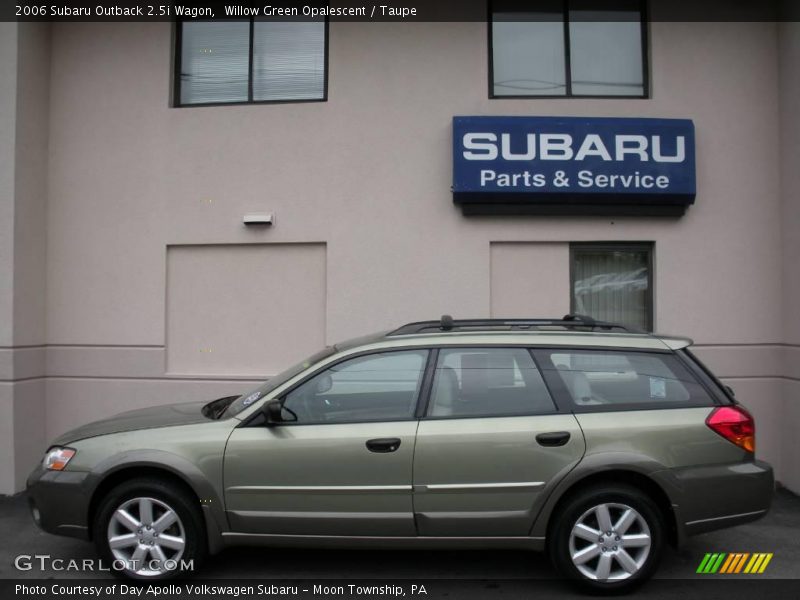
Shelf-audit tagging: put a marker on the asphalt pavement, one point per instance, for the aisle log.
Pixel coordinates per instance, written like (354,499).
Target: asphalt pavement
(503,574)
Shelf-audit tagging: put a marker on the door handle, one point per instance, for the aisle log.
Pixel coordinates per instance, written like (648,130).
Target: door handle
(383,445)
(553,438)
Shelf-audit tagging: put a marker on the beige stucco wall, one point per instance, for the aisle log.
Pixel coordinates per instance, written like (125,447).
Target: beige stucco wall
(24,127)
(789,44)
(8,116)
(367,175)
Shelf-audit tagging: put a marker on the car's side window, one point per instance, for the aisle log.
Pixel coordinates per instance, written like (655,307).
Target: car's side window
(374,387)
(610,378)
(471,382)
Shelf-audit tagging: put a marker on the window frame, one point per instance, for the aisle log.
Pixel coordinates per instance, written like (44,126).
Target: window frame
(645,45)
(713,384)
(426,405)
(649,247)
(177,51)
(422,393)
(559,388)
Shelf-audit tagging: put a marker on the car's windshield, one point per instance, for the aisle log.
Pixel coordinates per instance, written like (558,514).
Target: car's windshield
(247,399)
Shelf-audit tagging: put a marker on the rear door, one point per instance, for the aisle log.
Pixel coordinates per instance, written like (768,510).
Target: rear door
(490,443)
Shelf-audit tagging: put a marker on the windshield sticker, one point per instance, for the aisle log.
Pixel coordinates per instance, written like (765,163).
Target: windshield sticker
(658,387)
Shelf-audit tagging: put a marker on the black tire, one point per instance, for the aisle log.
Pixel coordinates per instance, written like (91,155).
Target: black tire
(173,496)
(582,503)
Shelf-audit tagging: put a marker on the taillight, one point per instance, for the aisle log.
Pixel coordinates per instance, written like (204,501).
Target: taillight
(735,424)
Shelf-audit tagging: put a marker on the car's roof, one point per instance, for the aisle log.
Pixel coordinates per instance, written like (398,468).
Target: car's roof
(600,339)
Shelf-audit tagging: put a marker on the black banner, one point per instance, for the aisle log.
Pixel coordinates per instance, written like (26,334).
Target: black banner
(364,10)
(709,588)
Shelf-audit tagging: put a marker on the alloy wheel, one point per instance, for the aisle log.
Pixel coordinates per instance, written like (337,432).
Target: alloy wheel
(610,542)
(147,535)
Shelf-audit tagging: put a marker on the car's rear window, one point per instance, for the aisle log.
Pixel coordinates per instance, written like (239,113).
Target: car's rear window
(595,379)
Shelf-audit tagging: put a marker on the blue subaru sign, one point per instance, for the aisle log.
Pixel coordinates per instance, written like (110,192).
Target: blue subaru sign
(567,165)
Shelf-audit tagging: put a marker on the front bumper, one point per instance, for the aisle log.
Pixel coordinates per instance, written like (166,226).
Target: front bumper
(59,501)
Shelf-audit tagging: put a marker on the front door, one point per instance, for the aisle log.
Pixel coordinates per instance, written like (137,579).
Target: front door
(343,465)
(490,443)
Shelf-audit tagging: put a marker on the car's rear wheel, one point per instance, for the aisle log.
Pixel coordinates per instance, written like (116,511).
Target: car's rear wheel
(608,538)
(149,529)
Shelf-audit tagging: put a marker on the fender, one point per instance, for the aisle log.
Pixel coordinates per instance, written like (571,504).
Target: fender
(616,462)
(204,484)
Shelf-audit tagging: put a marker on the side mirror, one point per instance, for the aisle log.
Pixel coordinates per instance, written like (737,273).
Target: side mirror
(273,411)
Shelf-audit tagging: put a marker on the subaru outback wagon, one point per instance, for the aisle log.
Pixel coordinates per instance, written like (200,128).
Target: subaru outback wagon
(594,443)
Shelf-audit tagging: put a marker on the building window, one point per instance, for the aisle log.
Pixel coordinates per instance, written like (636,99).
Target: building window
(567,48)
(613,282)
(246,61)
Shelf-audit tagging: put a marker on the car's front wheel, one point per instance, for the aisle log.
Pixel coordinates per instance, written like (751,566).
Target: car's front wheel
(608,538)
(149,529)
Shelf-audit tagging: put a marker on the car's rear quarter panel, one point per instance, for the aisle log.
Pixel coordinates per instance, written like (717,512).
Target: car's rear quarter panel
(708,480)
(675,438)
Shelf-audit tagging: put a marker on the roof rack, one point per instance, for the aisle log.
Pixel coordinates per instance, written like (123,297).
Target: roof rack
(570,322)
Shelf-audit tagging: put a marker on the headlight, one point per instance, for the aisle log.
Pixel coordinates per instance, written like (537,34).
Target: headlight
(56,458)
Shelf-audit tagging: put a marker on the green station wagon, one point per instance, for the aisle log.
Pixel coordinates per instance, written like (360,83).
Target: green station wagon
(596,444)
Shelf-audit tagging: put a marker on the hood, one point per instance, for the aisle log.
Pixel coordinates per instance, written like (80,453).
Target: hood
(143,418)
